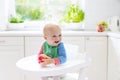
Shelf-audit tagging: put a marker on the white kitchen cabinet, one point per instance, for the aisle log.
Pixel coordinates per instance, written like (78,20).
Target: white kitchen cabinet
(76,41)
(113,58)
(11,50)
(96,48)
(33,44)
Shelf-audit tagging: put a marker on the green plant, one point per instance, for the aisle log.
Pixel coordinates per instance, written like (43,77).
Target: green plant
(36,14)
(73,14)
(16,19)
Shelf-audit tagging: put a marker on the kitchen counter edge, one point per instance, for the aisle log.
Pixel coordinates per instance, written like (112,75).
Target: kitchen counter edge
(39,33)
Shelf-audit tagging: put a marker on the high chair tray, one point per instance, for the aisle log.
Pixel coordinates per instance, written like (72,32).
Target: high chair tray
(30,66)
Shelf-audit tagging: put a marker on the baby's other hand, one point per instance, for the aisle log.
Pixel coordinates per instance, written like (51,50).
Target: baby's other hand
(47,61)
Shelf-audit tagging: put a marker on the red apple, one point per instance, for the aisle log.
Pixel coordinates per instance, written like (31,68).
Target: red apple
(100,28)
(41,57)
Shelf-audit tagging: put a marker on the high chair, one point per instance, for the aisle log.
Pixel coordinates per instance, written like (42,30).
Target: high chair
(76,62)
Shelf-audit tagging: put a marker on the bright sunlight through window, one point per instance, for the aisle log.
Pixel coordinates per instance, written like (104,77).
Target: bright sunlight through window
(35,12)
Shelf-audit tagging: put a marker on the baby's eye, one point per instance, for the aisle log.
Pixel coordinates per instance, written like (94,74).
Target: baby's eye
(60,35)
(54,36)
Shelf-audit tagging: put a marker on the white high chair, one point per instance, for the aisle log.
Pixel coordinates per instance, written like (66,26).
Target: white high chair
(75,62)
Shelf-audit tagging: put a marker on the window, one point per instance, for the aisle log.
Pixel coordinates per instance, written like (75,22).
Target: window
(36,12)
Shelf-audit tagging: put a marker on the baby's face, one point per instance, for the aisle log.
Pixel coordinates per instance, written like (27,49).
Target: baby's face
(54,37)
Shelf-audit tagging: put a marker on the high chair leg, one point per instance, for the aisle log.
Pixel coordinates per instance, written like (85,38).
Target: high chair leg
(56,78)
(82,74)
(44,78)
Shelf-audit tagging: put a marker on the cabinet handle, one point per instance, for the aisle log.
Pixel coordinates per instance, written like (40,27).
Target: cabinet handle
(3,41)
(87,38)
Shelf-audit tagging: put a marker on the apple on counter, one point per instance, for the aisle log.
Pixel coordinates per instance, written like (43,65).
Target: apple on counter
(101,26)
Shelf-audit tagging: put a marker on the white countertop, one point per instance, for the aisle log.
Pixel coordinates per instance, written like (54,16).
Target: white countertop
(114,34)
(64,33)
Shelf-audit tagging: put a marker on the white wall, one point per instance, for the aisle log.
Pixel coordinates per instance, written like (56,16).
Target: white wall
(5,11)
(99,10)
(3,14)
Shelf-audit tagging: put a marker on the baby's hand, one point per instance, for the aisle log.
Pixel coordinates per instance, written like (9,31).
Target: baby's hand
(47,61)
(41,57)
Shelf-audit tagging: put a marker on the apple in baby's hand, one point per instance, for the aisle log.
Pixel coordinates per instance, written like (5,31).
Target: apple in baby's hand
(41,57)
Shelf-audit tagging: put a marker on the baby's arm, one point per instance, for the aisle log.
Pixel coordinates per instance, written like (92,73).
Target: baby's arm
(62,55)
(42,56)
(40,52)
(44,59)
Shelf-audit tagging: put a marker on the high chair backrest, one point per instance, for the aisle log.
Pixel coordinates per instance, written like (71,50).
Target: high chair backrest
(72,51)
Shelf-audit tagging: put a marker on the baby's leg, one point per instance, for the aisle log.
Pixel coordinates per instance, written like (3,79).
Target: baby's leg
(44,78)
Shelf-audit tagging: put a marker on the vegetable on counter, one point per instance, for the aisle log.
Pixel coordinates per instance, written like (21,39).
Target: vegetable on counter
(73,14)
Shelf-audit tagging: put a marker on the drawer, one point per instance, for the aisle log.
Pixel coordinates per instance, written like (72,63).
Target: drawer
(96,38)
(11,41)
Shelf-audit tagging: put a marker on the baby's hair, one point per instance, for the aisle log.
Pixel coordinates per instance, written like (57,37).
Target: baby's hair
(50,27)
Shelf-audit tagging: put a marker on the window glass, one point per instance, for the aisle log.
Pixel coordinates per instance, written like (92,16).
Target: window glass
(42,9)
(36,12)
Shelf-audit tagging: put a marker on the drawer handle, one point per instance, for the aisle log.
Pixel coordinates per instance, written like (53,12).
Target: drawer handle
(87,38)
(3,41)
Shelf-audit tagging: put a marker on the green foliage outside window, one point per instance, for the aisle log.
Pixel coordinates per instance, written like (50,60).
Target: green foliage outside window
(31,13)
(49,10)
(16,19)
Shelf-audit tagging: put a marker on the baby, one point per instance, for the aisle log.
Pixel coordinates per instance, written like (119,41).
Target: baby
(52,50)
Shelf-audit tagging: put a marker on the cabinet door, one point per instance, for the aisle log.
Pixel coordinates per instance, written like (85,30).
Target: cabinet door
(9,55)
(96,47)
(114,59)
(33,45)
(77,41)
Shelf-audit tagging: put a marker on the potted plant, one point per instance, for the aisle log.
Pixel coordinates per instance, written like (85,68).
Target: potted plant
(16,22)
(73,16)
